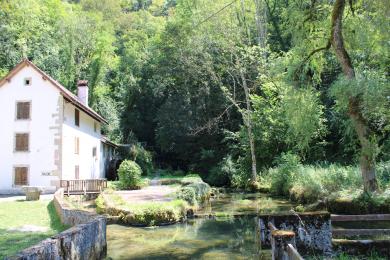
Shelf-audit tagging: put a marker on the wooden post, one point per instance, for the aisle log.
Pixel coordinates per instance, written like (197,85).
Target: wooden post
(279,242)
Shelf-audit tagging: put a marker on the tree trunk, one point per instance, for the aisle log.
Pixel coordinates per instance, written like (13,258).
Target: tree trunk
(261,23)
(248,123)
(367,157)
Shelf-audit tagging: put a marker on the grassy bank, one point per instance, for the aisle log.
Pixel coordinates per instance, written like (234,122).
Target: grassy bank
(339,186)
(41,218)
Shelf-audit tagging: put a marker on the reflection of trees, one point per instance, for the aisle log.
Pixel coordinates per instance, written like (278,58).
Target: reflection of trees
(188,240)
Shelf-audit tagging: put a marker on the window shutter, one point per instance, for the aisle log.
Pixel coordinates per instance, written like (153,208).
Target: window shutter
(23,110)
(77,117)
(76,172)
(21,176)
(76,145)
(21,142)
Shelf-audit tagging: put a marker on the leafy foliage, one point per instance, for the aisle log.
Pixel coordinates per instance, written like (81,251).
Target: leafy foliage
(129,173)
(165,73)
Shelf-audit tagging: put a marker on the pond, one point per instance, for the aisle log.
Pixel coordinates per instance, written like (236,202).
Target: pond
(224,237)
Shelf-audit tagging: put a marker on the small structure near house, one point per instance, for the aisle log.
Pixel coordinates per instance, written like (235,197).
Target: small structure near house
(47,133)
(32,193)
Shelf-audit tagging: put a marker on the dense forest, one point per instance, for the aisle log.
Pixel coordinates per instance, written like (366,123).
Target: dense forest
(224,88)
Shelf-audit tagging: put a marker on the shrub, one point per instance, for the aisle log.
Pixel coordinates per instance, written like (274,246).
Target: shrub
(282,177)
(188,194)
(194,193)
(129,173)
(307,186)
(143,158)
(100,206)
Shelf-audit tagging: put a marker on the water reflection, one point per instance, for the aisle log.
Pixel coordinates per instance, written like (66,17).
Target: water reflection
(246,203)
(220,238)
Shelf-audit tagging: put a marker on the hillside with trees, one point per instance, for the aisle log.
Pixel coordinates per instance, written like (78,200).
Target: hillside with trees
(243,92)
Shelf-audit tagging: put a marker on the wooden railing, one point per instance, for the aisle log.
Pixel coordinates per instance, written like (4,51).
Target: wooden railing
(337,233)
(83,187)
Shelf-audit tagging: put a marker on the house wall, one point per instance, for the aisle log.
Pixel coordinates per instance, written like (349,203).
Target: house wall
(89,167)
(44,128)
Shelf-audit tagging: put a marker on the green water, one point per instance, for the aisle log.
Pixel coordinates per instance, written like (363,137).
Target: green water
(220,238)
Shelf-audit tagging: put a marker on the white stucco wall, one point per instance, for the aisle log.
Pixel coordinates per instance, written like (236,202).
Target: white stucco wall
(44,129)
(89,167)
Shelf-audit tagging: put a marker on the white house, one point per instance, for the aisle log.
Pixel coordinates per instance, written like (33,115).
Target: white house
(47,133)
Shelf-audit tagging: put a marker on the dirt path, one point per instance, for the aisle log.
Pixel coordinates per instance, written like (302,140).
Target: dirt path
(158,193)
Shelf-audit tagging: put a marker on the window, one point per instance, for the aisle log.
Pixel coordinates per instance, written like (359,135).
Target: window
(27,81)
(76,172)
(94,152)
(21,142)
(77,145)
(21,176)
(95,126)
(23,110)
(77,117)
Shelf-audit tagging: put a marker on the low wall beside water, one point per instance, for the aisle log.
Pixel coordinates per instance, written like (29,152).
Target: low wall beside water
(312,230)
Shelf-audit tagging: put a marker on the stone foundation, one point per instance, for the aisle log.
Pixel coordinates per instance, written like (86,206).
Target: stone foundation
(312,230)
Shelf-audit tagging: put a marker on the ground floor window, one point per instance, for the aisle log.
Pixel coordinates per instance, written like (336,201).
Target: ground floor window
(21,176)
(76,172)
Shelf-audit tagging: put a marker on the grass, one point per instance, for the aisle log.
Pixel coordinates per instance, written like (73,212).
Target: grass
(14,214)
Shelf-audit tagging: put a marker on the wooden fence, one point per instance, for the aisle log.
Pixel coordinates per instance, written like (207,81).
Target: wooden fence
(336,233)
(83,187)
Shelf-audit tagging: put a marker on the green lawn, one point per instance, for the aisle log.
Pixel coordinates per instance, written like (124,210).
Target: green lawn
(15,214)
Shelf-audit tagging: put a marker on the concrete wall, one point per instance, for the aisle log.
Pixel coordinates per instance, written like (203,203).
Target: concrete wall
(86,240)
(312,230)
(89,166)
(43,127)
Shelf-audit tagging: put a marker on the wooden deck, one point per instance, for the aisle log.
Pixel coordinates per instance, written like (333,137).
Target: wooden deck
(83,187)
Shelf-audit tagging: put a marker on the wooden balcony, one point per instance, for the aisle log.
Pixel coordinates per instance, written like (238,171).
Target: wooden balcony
(83,187)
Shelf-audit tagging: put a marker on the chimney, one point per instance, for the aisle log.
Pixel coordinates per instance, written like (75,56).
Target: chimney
(82,91)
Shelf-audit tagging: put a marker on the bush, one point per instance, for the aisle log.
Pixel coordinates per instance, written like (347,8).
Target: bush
(187,194)
(195,193)
(129,173)
(282,177)
(307,186)
(143,158)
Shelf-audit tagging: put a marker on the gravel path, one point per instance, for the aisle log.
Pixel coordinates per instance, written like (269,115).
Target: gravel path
(158,193)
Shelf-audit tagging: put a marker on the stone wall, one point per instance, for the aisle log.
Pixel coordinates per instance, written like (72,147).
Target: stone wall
(312,230)
(68,215)
(86,240)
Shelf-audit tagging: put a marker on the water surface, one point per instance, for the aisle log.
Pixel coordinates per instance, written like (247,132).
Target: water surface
(220,238)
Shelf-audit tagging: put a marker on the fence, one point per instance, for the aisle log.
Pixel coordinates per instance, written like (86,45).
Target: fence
(83,187)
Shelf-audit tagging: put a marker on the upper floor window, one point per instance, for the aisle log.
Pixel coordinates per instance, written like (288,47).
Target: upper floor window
(94,152)
(23,110)
(20,176)
(22,142)
(77,145)
(27,81)
(77,117)
(95,126)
